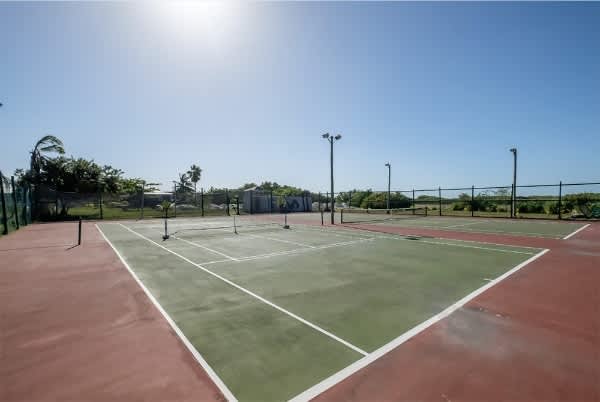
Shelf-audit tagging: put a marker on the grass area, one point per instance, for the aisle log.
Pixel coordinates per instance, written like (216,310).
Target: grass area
(364,288)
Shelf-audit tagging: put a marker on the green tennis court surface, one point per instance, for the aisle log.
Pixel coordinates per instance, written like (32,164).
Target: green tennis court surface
(532,228)
(276,311)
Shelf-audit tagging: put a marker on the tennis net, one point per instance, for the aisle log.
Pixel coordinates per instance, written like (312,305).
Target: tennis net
(358,215)
(232,225)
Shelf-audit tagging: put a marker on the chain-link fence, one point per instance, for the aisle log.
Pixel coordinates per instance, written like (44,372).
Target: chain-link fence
(15,205)
(546,201)
(554,201)
(54,205)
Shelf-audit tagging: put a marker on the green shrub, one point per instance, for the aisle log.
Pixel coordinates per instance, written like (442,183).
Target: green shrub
(379,201)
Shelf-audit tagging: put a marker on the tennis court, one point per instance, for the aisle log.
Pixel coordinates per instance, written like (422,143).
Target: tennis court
(274,312)
(424,218)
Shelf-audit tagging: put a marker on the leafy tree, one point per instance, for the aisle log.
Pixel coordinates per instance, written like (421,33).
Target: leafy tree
(111,179)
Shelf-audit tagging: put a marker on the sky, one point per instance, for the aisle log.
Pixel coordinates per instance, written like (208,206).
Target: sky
(245,90)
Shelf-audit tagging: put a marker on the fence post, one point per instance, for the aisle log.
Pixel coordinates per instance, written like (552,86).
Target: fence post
(512,203)
(142,203)
(14,196)
(100,203)
(237,204)
(227,200)
(560,200)
(4,215)
(202,200)
(319,201)
(440,197)
(174,200)
(271,201)
(413,202)
(350,200)
(472,200)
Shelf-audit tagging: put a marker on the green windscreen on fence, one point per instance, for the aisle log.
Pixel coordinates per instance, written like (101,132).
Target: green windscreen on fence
(15,205)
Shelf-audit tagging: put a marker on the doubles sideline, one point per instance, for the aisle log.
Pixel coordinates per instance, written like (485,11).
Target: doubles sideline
(346,372)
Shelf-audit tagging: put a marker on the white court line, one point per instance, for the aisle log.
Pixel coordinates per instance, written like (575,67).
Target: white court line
(462,224)
(505,250)
(290,252)
(250,293)
(365,361)
(206,248)
(526,234)
(575,232)
(500,250)
(211,373)
(279,240)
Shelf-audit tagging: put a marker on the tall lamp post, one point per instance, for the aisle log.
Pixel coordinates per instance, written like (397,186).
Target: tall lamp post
(514,185)
(331,139)
(389,166)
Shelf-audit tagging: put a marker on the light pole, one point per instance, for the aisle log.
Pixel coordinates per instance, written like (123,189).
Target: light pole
(389,166)
(514,185)
(331,139)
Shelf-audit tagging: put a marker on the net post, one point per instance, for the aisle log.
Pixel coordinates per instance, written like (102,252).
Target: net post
(322,222)
(472,200)
(560,200)
(14,197)
(413,201)
(79,233)
(342,215)
(285,226)
(426,207)
(202,201)
(4,215)
(440,198)
(166,235)
(234,226)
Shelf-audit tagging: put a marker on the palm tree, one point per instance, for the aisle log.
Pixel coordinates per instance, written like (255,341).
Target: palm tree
(194,174)
(184,183)
(46,144)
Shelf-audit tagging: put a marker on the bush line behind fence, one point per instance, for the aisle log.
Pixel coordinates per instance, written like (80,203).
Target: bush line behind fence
(547,201)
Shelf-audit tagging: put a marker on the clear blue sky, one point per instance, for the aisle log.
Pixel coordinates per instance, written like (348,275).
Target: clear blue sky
(440,90)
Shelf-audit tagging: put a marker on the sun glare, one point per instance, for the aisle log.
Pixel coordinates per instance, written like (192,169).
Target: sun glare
(212,21)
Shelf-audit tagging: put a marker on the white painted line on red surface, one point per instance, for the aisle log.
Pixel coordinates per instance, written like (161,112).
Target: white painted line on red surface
(365,361)
(211,373)
(575,232)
